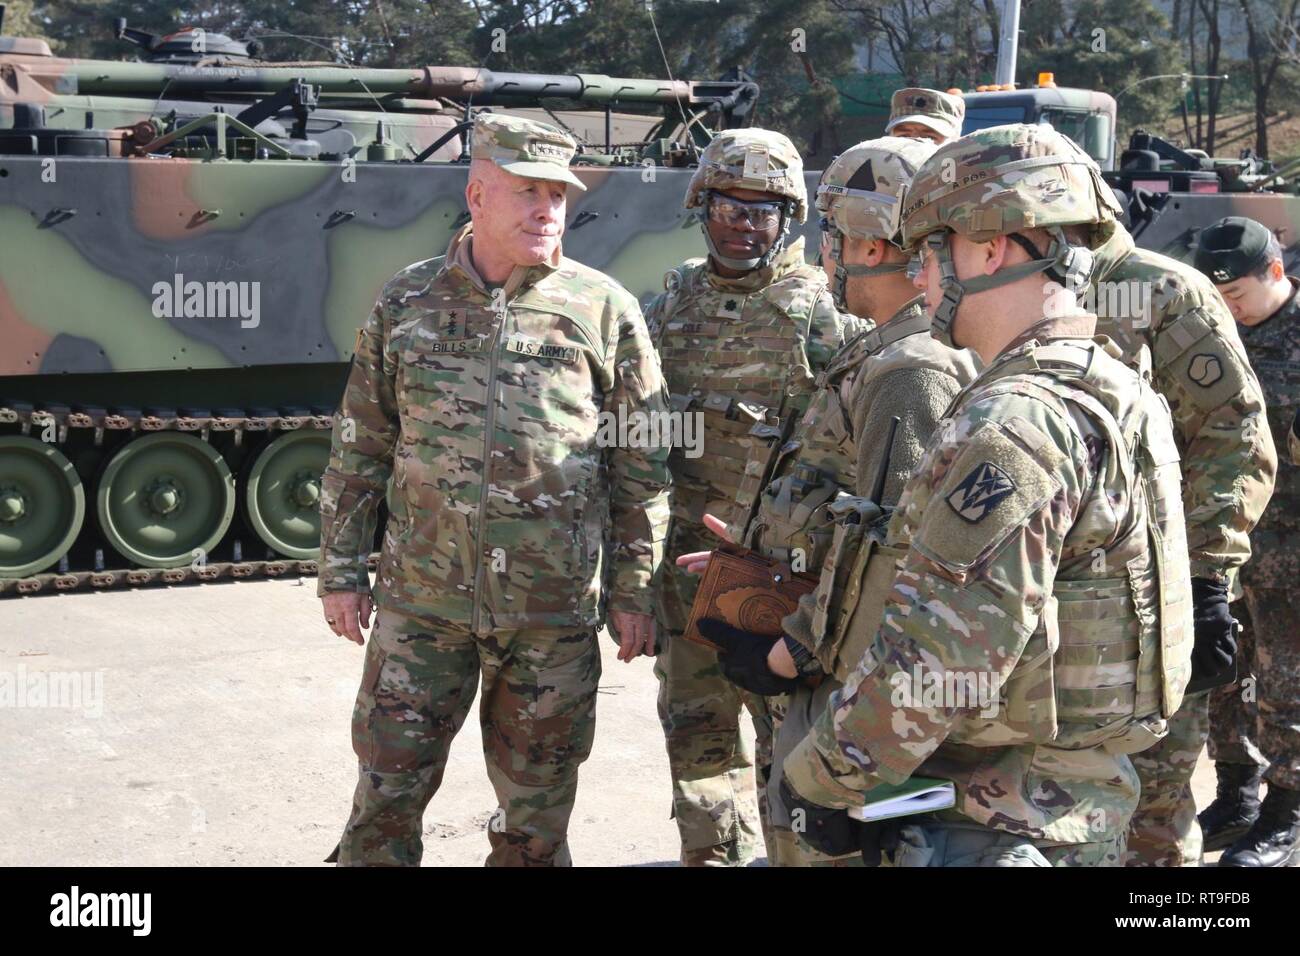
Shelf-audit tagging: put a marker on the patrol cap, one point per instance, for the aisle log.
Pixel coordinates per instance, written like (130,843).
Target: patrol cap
(525,147)
(1231,248)
(941,112)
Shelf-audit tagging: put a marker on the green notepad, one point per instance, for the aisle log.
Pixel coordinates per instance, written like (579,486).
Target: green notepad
(914,795)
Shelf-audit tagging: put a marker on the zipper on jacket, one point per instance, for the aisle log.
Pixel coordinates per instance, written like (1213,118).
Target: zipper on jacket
(488,431)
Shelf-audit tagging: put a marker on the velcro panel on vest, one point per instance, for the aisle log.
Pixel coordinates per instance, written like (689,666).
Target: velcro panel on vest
(959,529)
(1204,362)
(862,608)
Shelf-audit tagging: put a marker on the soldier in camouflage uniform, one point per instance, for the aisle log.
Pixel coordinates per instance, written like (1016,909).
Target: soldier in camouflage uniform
(1046,558)
(894,370)
(1144,299)
(479,385)
(917,113)
(741,337)
(1256,725)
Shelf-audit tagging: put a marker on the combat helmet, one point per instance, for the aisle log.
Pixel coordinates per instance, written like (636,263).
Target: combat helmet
(752,158)
(996,182)
(861,195)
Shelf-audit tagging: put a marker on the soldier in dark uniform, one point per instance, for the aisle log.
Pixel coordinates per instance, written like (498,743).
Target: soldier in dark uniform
(1255,723)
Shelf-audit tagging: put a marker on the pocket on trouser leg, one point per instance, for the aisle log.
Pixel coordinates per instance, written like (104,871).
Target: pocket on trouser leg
(937,845)
(365,703)
(538,729)
(542,720)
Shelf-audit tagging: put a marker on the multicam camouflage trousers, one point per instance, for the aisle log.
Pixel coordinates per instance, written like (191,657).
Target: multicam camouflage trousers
(1164,831)
(922,841)
(1257,719)
(793,715)
(719,815)
(538,714)
(927,842)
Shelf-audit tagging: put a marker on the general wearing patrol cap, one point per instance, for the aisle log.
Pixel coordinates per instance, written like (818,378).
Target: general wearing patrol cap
(941,112)
(1231,248)
(525,147)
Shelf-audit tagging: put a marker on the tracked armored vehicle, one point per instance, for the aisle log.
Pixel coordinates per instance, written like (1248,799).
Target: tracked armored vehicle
(188,244)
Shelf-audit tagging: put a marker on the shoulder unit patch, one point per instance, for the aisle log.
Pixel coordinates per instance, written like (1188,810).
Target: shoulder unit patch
(981,491)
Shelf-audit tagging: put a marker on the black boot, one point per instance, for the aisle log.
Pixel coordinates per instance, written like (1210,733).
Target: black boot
(1235,807)
(1271,841)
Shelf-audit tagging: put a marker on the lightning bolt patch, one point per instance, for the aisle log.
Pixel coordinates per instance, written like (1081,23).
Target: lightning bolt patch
(980,492)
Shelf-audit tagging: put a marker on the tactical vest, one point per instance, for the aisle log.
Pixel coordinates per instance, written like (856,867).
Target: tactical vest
(739,361)
(1110,658)
(793,522)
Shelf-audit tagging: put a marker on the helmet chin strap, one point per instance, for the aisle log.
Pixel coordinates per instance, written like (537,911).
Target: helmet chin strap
(747,265)
(840,287)
(1069,265)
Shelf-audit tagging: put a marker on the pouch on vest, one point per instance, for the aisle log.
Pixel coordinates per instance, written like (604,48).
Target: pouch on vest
(851,549)
(862,606)
(795,513)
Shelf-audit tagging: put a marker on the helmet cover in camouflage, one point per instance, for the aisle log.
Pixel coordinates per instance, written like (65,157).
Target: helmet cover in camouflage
(751,158)
(525,147)
(860,195)
(942,112)
(861,192)
(1003,179)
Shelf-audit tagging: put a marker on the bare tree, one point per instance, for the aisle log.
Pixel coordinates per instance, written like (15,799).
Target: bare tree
(1270,41)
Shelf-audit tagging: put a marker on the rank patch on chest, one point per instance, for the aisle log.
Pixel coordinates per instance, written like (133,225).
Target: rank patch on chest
(730,307)
(980,492)
(567,354)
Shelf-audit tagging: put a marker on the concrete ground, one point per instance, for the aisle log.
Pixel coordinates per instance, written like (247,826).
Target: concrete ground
(210,726)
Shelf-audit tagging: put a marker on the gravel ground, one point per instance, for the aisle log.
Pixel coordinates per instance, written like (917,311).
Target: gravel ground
(212,729)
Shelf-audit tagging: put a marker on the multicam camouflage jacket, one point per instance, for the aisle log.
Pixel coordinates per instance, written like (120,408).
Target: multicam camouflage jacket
(1035,632)
(1199,365)
(895,369)
(1274,350)
(743,354)
(506,508)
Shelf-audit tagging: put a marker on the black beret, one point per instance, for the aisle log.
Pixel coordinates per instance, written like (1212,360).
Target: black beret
(1231,248)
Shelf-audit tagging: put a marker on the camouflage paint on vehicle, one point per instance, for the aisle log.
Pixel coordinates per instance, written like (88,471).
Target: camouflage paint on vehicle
(214,289)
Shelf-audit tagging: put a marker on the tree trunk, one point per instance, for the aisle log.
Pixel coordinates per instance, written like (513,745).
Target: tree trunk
(1191,49)
(1214,42)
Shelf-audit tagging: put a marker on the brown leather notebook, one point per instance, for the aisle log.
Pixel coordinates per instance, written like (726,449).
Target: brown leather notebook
(747,591)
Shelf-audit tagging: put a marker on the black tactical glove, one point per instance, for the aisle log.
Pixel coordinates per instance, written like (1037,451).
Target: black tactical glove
(743,658)
(832,832)
(1214,653)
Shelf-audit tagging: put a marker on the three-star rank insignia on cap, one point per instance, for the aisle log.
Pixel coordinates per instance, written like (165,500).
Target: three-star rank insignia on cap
(730,307)
(980,492)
